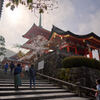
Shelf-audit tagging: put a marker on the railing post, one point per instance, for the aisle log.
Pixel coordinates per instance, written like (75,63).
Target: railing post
(78,88)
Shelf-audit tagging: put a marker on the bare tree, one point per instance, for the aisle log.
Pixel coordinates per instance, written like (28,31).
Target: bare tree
(33,5)
(40,5)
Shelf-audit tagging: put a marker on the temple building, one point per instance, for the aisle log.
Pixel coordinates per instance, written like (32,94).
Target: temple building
(37,37)
(76,44)
(64,41)
(41,41)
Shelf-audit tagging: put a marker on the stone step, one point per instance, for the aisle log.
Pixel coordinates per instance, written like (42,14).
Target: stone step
(70,98)
(11,80)
(38,96)
(26,88)
(35,91)
(23,82)
(43,91)
(37,84)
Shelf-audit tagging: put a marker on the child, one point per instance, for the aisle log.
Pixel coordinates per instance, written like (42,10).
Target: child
(97,94)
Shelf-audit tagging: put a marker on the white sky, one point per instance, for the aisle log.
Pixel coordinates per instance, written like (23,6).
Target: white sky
(78,16)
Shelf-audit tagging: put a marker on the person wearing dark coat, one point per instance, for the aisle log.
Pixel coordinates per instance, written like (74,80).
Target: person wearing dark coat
(12,66)
(17,78)
(32,75)
(6,68)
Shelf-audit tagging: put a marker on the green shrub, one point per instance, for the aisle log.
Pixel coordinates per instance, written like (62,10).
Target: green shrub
(79,61)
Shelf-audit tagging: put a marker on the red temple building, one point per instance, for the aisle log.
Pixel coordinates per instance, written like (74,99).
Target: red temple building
(72,43)
(65,41)
(36,37)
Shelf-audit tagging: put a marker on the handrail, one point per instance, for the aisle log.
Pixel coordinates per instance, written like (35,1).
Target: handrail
(55,79)
(67,83)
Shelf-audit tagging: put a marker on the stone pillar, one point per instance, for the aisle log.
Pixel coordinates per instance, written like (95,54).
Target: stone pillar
(99,53)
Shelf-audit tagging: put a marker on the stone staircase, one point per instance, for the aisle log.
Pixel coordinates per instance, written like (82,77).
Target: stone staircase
(43,91)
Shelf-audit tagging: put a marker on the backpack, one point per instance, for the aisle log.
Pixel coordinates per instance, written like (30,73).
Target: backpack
(32,72)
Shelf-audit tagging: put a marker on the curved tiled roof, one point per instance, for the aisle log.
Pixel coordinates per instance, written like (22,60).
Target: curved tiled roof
(36,30)
(61,32)
(91,38)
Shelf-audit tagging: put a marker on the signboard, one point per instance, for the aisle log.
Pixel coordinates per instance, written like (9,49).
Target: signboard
(41,65)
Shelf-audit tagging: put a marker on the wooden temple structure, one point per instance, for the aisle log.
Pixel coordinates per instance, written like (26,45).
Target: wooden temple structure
(66,41)
(57,39)
(77,44)
(36,35)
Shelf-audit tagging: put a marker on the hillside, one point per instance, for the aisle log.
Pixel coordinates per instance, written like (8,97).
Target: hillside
(9,53)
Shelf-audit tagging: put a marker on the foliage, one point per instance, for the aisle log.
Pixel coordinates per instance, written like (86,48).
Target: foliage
(2,46)
(79,61)
(40,5)
(64,74)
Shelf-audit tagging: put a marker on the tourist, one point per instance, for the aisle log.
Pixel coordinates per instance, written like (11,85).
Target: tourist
(12,66)
(32,75)
(6,68)
(17,78)
(26,70)
(97,94)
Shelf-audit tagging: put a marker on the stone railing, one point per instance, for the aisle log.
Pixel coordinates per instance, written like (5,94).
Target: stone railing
(80,90)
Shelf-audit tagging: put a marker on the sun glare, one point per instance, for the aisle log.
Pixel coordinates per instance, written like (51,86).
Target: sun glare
(15,15)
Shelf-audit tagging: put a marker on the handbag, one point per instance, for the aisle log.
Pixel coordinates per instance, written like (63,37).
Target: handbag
(96,94)
(22,75)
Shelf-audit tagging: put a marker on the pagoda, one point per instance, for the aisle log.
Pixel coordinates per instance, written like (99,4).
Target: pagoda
(36,36)
(71,43)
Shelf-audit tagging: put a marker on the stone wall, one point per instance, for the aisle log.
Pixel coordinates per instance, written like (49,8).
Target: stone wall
(83,75)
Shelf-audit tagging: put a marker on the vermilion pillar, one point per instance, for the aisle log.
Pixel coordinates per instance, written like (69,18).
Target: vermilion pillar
(68,49)
(75,50)
(90,52)
(99,53)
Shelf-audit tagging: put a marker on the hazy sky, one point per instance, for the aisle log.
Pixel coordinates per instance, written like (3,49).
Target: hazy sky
(78,16)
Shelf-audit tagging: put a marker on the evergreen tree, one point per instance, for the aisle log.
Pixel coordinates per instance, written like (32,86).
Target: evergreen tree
(2,46)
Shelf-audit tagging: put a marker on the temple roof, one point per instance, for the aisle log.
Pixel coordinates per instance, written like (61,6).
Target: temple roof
(90,38)
(17,56)
(35,43)
(36,30)
(61,32)
(27,56)
(57,30)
